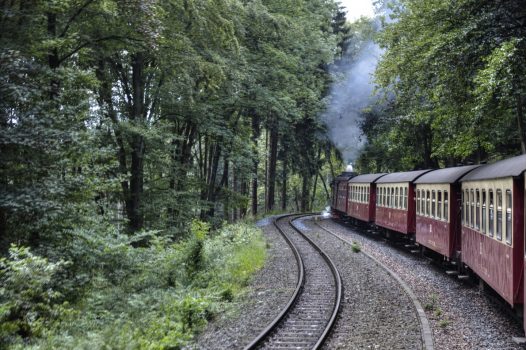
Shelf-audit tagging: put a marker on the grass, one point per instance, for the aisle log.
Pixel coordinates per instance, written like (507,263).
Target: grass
(431,304)
(444,323)
(355,246)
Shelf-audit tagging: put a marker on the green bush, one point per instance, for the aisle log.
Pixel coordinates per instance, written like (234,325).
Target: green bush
(28,299)
(150,296)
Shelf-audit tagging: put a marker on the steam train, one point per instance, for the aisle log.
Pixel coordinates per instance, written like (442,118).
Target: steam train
(472,216)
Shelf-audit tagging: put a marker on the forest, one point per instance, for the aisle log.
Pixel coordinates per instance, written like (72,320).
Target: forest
(451,85)
(140,139)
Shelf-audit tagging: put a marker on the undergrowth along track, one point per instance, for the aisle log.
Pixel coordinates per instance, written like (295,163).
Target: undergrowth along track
(308,317)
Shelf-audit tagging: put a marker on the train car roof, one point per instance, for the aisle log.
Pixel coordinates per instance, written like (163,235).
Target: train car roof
(505,168)
(345,176)
(367,178)
(407,176)
(445,175)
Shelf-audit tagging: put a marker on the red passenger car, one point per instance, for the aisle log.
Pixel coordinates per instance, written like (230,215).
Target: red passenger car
(339,190)
(493,226)
(437,204)
(395,204)
(362,197)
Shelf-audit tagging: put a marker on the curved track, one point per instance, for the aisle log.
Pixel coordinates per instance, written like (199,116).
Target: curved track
(307,319)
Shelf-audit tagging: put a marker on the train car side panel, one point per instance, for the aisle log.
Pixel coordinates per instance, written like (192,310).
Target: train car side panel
(359,211)
(437,218)
(372,203)
(492,261)
(434,234)
(518,238)
(411,209)
(393,219)
(493,234)
(341,204)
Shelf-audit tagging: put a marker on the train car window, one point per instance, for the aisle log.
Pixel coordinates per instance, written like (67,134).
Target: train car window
(446,206)
(418,202)
(464,200)
(421,207)
(499,214)
(360,194)
(397,197)
(363,194)
(405,197)
(509,208)
(491,214)
(433,204)
(472,208)
(477,212)
(439,204)
(484,228)
(428,199)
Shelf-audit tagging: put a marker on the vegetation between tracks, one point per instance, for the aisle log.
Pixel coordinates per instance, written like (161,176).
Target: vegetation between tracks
(110,294)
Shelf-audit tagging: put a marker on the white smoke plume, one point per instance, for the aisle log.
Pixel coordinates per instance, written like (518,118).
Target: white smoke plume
(348,98)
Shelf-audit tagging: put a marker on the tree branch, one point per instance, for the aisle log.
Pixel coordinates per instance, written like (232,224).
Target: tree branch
(75,15)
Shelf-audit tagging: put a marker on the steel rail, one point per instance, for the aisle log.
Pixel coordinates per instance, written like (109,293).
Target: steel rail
(301,280)
(299,285)
(337,279)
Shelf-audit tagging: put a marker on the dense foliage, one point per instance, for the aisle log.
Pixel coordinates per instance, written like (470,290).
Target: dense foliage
(453,77)
(151,297)
(123,121)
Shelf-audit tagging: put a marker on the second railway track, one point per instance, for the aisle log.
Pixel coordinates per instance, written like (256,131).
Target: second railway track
(308,317)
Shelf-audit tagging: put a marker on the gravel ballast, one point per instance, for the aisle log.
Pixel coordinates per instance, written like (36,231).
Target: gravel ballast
(461,317)
(268,293)
(376,313)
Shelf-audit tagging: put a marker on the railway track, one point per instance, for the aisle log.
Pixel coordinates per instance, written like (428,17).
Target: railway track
(307,319)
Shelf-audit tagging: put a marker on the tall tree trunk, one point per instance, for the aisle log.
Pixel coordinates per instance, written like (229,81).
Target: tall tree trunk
(315,179)
(305,193)
(520,122)
(244,192)
(266,169)
(256,132)
(271,179)
(284,185)
(235,191)
(313,197)
(327,193)
(212,178)
(134,203)
(106,105)
(53,58)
